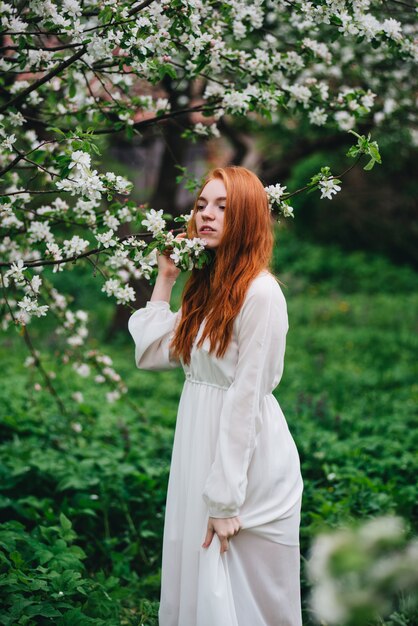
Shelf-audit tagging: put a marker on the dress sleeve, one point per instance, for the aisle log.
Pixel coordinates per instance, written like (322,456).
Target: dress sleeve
(152,330)
(262,325)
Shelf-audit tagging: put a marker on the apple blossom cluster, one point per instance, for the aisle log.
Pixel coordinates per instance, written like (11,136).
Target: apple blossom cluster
(276,200)
(185,253)
(84,181)
(362,571)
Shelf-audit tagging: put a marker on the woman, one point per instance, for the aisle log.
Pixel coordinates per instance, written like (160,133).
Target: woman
(231,536)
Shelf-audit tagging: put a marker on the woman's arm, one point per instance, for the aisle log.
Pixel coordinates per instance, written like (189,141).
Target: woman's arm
(152,327)
(261,335)
(162,288)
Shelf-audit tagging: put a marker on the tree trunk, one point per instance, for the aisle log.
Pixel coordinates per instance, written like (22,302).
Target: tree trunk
(164,197)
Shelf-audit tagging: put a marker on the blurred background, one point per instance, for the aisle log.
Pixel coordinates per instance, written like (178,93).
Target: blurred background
(92,482)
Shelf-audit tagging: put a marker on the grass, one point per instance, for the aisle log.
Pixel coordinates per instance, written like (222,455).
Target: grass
(348,391)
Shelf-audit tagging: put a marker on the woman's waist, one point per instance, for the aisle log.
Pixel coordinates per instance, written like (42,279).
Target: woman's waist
(223,385)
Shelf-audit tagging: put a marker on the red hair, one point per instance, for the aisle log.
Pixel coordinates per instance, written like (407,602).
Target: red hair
(216,292)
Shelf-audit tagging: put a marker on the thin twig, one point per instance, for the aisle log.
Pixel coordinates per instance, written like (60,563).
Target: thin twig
(36,360)
(22,155)
(309,186)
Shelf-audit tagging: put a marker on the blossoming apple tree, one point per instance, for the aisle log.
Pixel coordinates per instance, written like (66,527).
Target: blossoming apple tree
(75,73)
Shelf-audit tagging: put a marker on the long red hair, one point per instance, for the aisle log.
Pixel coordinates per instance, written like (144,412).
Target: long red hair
(216,292)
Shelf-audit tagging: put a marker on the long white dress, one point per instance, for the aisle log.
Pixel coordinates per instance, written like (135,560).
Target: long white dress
(233,454)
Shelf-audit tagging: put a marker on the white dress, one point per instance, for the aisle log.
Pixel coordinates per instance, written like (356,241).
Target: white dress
(232,455)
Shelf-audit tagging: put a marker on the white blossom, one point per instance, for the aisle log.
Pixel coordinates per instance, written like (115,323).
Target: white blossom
(16,271)
(35,284)
(112,396)
(320,49)
(75,245)
(392,28)
(111,286)
(31,306)
(236,102)
(275,193)
(300,93)
(344,120)
(106,239)
(80,160)
(176,255)
(328,187)
(82,315)
(110,221)
(206,130)
(7,144)
(317,116)
(154,221)
(82,369)
(40,231)
(187,216)
(286,209)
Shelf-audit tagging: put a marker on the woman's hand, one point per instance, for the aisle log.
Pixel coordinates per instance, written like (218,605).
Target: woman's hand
(225,528)
(167,274)
(166,267)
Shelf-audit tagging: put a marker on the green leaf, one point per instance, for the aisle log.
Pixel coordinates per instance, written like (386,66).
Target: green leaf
(65,522)
(44,610)
(369,165)
(72,90)
(56,130)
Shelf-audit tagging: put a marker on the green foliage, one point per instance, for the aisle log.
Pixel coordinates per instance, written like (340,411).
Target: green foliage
(367,147)
(83,495)
(43,577)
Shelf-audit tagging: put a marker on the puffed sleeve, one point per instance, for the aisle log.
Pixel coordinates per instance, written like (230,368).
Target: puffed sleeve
(152,330)
(262,326)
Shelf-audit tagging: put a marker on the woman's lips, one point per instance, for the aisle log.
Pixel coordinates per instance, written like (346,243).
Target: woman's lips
(207,229)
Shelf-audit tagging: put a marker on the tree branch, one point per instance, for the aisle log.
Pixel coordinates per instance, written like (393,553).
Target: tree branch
(41,262)
(59,68)
(141,6)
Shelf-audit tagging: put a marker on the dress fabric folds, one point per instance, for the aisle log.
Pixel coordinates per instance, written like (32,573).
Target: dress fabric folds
(232,455)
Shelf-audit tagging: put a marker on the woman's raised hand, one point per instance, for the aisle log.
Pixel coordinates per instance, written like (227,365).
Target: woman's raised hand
(167,274)
(166,267)
(225,528)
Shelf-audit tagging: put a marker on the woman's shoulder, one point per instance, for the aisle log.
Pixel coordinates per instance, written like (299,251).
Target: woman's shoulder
(264,286)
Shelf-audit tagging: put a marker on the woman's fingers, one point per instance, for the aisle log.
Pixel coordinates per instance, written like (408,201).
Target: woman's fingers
(224,545)
(208,539)
(224,528)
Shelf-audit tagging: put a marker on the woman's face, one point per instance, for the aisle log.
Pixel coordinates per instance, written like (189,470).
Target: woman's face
(209,215)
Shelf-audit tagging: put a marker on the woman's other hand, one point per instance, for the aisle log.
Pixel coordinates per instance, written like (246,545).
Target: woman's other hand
(225,528)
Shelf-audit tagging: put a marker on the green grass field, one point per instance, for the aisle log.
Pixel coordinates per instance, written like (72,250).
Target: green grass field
(82,495)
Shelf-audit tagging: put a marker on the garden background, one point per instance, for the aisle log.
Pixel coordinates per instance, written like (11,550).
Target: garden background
(83,473)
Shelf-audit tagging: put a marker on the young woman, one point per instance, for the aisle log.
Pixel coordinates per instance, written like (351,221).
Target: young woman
(231,536)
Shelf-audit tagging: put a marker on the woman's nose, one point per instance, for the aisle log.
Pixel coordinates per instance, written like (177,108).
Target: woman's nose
(208,211)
